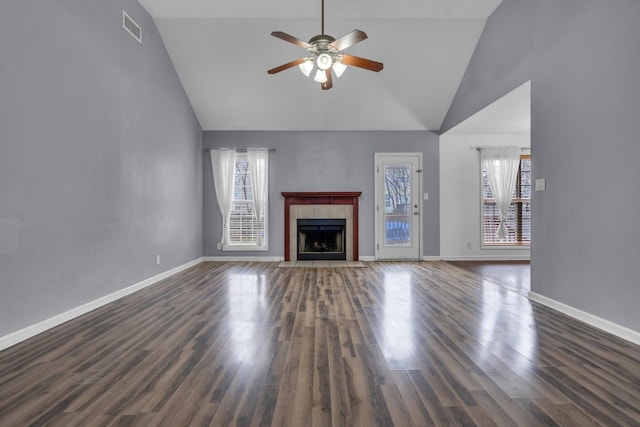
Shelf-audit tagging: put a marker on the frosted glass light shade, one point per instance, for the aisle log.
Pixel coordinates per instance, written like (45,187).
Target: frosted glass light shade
(321,76)
(324,61)
(306,67)
(339,68)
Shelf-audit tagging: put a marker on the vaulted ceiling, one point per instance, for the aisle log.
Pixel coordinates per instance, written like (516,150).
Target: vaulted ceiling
(222,50)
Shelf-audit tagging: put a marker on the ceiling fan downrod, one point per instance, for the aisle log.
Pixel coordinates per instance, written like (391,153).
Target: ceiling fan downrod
(322,32)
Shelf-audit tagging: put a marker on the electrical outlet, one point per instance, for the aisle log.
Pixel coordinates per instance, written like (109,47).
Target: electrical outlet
(157,259)
(219,246)
(469,245)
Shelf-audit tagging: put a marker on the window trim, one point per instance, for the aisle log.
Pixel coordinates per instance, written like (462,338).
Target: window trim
(498,246)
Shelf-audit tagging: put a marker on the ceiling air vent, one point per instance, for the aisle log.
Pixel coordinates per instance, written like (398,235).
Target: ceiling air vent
(131,26)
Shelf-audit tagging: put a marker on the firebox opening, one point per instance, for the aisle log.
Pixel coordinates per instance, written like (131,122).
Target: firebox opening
(322,239)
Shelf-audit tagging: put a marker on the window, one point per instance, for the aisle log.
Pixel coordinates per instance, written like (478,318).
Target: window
(245,231)
(518,215)
(241,182)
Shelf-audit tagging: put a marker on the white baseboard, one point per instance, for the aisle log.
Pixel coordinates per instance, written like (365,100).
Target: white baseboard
(487,258)
(595,321)
(30,331)
(367,258)
(243,258)
(261,258)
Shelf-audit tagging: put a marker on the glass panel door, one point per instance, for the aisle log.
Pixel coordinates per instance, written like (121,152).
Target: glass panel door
(397,204)
(398,213)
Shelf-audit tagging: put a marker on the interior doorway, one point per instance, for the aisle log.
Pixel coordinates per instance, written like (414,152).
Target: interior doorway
(507,121)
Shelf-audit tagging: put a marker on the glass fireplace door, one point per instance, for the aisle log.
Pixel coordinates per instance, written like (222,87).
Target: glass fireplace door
(321,239)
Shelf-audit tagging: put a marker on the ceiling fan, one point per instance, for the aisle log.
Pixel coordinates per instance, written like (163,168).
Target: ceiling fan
(324,53)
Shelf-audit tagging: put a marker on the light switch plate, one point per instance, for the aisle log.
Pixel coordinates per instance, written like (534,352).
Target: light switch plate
(540,184)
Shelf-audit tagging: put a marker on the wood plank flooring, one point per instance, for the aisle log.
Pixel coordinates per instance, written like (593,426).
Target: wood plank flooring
(513,275)
(391,344)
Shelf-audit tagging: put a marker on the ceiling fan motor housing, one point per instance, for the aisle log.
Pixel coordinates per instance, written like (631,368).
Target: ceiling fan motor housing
(321,39)
(325,54)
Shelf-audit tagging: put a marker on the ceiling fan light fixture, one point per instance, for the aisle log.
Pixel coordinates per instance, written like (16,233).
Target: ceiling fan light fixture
(324,53)
(306,67)
(321,76)
(324,61)
(338,68)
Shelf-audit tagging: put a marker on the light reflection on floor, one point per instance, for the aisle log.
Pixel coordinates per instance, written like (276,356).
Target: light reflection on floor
(246,294)
(507,319)
(512,275)
(397,318)
(506,323)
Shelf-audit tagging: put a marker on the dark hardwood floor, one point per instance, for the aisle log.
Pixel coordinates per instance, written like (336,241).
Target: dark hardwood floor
(395,343)
(513,275)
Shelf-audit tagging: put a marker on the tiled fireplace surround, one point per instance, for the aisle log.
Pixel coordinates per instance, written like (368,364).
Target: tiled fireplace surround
(320,205)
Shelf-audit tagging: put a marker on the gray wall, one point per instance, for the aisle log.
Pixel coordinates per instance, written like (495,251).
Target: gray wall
(583,59)
(324,161)
(100,157)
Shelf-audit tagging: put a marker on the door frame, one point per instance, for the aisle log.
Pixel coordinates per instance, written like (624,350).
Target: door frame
(378,204)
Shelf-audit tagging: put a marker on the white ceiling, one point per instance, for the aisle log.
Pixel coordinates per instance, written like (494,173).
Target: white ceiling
(222,50)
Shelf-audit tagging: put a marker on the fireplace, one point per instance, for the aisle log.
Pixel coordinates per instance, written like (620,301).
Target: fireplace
(323,206)
(321,239)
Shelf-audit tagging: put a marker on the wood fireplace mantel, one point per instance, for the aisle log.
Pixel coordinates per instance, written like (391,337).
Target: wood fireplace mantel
(320,198)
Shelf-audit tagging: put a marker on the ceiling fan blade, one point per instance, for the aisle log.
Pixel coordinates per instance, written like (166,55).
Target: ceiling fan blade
(288,38)
(286,66)
(349,40)
(329,83)
(356,61)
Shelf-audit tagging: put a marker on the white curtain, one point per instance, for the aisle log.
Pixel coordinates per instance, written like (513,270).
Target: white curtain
(223,164)
(502,169)
(259,167)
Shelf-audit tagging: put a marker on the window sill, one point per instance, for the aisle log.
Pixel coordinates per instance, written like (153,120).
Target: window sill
(244,248)
(509,247)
